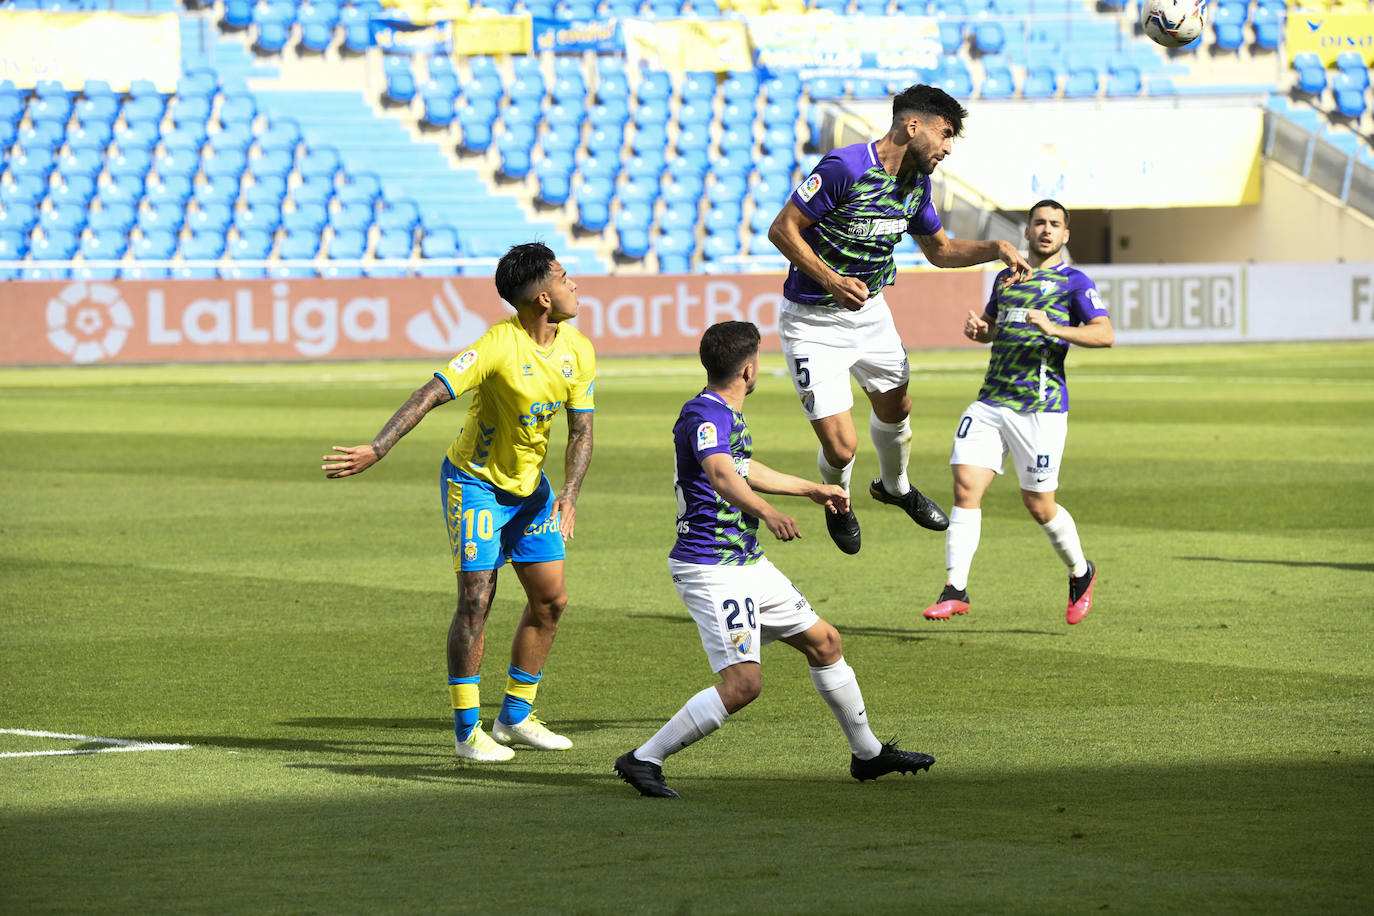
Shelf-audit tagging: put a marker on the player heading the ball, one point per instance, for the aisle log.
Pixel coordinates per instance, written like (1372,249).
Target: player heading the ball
(838,231)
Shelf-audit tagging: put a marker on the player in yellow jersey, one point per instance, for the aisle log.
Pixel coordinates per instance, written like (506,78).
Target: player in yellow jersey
(498,504)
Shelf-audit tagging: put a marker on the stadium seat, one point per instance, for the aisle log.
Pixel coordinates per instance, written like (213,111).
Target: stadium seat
(1348,95)
(1040,83)
(310,218)
(395,244)
(170,190)
(633,243)
(299,245)
(267,191)
(103,246)
(262,218)
(593,214)
(114,217)
(348,245)
(253,245)
(156,245)
(204,246)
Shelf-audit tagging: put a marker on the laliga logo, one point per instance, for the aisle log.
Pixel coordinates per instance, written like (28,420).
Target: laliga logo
(447,326)
(88,323)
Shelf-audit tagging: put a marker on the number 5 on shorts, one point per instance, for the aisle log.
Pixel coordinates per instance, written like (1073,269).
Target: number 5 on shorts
(802,372)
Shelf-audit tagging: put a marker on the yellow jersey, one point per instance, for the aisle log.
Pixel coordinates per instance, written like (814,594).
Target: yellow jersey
(519,389)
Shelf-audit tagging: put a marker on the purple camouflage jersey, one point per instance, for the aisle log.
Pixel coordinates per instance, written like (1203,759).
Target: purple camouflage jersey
(1026,367)
(861,213)
(710,531)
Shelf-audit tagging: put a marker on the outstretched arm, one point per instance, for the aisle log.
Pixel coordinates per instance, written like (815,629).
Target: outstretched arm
(577,457)
(943,251)
(358,458)
(763,479)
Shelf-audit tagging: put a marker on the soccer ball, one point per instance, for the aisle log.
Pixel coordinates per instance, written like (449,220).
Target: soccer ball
(1173,23)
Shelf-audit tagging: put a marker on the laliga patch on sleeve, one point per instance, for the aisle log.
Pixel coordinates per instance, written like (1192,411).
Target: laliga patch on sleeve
(809,187)
(463,360)
(706,436)
(1096,300)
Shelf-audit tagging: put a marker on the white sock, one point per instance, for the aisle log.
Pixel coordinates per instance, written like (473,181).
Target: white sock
(892,442)
(830,474)
(838,686)
(961,543)
(699,716)
(1063,535)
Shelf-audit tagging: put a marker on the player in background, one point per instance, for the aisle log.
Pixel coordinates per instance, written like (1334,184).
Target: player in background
(1023,406)
(739,599)
(838,230)
(497,502)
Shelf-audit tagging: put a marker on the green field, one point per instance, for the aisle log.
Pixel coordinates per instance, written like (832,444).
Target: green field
(177,570)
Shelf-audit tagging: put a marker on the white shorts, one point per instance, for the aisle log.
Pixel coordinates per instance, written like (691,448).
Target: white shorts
(739,608)
(825,345)
(986,434)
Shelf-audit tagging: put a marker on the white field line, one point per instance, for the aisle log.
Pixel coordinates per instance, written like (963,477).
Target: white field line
(116,745)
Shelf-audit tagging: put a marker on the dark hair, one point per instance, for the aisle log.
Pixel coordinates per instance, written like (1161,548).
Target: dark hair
(1030,214)
(522,267)
(726,347)
(929,101)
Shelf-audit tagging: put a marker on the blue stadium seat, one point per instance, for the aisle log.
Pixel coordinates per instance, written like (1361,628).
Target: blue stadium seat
(679,218)
(267,191)
(698,86)
(633,242)
(401,215)
(1352,65)
(138,136)
(250,219)
(157,245)
(357,26)
(439,110)
(1312,79)
(1041,83)
(654,86)
(640,191)
(317,193)
(442,243)
(273,164)
(73,189)
(555,188)
(253,245)
(104,246)
(238,15)
(1348,95)
(348,245)
(355,217)
(226,168)
(310,218)
(593,215)
(177,164)
(165,218)
(395,244)
(204,246)
(63,218)
(170,190)
(299,245)
(112,217)
(1268,25)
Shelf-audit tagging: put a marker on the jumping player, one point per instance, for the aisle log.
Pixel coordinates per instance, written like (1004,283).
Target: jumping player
(838,230)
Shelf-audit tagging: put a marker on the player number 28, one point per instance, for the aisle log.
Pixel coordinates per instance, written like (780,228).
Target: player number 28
(731,608)
(479,519)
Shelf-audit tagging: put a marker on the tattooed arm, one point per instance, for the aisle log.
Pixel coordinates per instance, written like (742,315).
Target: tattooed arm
(358,458)
(576,459)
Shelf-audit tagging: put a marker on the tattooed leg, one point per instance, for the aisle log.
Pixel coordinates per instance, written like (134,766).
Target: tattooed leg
(466,641)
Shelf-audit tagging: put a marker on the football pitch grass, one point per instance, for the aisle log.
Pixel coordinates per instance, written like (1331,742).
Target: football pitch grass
(177,571)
